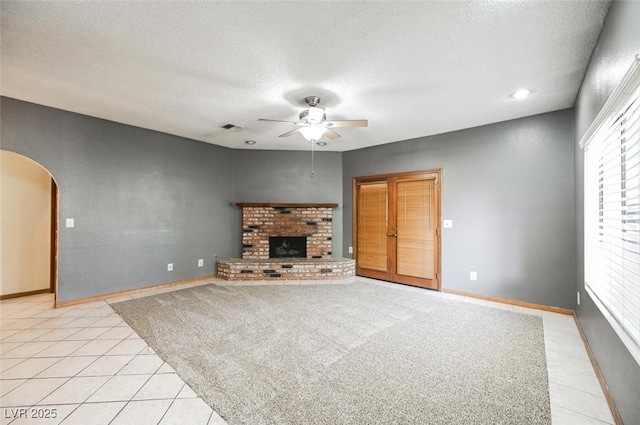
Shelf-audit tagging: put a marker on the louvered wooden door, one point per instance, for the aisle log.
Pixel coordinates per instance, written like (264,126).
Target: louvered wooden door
(372,242)
(397,227)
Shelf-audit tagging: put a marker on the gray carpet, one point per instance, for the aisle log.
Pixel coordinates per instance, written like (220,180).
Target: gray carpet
(348,354)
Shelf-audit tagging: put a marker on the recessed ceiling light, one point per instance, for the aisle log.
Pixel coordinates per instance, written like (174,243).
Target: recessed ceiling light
(521,94)
(321,143)
(250,142)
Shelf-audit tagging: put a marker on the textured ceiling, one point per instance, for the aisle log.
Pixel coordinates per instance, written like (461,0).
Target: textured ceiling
(411,68)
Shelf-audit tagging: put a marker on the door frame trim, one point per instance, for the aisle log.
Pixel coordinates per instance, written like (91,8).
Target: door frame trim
(54,232)
(55,207)
(401,175)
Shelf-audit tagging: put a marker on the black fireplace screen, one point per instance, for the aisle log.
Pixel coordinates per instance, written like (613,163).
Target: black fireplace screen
(287,247)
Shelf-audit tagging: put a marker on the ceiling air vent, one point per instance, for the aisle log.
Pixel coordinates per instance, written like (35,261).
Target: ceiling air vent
(232,128)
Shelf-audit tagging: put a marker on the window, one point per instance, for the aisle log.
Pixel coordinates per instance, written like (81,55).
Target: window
(612,210)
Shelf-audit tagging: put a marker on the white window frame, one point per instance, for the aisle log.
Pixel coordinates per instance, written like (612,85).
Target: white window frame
(625,321)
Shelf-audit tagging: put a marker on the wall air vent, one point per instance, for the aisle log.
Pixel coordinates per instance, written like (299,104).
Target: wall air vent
(232,128)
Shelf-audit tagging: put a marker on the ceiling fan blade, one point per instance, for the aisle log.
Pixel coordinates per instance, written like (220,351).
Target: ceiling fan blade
(289,133)
(331,134)
(346,123)
(264,119)
(288,122)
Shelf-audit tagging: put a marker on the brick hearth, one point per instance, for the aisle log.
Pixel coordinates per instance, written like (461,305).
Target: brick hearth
(286,269)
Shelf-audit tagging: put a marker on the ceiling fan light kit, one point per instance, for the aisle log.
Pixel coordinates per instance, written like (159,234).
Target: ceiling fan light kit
(312,132)
(313,124)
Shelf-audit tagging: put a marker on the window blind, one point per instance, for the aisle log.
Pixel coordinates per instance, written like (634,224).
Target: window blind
(612,210)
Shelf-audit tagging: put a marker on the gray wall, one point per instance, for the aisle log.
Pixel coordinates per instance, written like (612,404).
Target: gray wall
(140,199)
(619,42)
(285,176)
(508,188)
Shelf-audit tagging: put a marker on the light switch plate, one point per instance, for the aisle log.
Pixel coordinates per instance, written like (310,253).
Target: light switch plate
(448,224)
(70,222)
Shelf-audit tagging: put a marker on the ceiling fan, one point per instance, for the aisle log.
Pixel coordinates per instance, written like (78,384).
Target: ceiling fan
(313,123)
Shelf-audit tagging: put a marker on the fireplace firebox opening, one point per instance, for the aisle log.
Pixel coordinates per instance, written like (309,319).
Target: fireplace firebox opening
(287,247)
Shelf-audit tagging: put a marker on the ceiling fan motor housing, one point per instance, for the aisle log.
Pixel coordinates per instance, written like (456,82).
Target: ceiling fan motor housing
(312,100)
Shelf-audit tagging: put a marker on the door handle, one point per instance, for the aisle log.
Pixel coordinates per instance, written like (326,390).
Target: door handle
(395,235)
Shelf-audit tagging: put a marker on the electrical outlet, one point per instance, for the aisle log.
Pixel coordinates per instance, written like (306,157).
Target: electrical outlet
(473,275)
(200,262)
(350,250)
(170,267)
(578,297)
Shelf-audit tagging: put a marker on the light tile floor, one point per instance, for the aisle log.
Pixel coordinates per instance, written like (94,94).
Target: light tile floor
(84,365)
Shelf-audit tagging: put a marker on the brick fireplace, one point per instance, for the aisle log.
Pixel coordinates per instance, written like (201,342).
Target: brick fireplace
(265,224)
(259,222)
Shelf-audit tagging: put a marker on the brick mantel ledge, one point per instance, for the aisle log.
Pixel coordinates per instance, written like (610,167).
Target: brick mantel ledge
(284,205)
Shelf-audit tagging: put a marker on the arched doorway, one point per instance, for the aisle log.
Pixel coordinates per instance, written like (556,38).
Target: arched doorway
(28,227)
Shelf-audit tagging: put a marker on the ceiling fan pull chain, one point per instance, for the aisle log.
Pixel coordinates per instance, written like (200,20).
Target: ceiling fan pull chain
(312,163)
